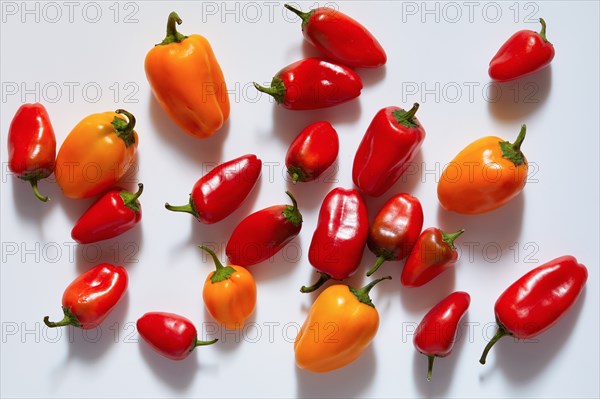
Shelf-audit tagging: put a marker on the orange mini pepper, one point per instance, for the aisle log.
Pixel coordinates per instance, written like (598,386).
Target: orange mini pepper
(485,175)
(340,325)
(187,81)
(229,294)
(96,154)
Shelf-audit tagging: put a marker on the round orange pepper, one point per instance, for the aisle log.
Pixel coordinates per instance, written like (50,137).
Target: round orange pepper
(229,294)
(485,175)
(96,154)
(187,81)
(340,325)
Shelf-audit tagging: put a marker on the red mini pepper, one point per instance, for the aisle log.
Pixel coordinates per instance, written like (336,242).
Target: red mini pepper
(313,83)
(385,152)
(433,253)
(264,233)
(536,301)
(312,152)
(32,146)
(340,37)
(169,334)
(436,333)
(89,299)
(222,190)
(395,229)
(523,53)
(338,242)
(113,214)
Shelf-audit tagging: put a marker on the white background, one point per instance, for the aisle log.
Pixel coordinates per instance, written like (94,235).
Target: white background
(557,213)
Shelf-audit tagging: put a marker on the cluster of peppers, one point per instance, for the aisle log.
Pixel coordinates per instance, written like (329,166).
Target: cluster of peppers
(108,140)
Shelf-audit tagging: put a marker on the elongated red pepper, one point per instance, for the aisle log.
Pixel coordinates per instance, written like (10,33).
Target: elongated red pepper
(433,253)
(113,214)
(169,334)
(89,299)
(339,240)
(264,233)
(32,146)
(436,333)
(312,152)
(536,301)
(340,37)
(523,53)
(222,190)
(385,152)
(395,229)
(313,83)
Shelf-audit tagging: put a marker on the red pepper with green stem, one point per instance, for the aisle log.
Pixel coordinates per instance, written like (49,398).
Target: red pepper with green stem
(32,146)
(312,152)
(536,301)
(433,253)
(395,229)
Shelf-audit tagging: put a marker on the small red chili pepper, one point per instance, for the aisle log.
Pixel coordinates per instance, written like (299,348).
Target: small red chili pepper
(313,83)
(433,253)
(338,242)
(340,37)
(89,299)
(222,190)
(385,152)
(113,214)
(264,233)
(436,333)
(523,53)
(395,229)
(32,146)
(312,152)
(169,334)
(536,301)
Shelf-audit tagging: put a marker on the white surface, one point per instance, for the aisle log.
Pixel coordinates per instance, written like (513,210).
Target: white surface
(556,215)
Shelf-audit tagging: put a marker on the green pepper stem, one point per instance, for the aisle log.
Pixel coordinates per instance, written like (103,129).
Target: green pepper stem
(411,112)
(130,200)
(268,90)
(499,334)
(125,129)
(299,13)
(430,360)
(69,319)
(517,144)
(213,255)
(450,237)
(36,192)
(379,262)
(322,279)
(277,89)
(172,35)
(362,294)
(543,31)
(203,343)
(187,208)
(295,178)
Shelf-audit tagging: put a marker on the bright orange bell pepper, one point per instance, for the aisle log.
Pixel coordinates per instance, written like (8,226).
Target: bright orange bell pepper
(485,175)
(187,81)
(229,294)
(340,325)
(96,154)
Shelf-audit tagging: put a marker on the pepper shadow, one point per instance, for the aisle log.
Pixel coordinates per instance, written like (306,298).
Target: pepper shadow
(349,381)
(122,250)
(417,300)
(279,264)
(310,194)
(229,340)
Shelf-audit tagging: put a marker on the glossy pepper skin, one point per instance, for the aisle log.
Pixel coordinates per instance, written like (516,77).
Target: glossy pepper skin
(436,333)
(221,191)
(523,53)
(96,154)
(313,83)
(229,294)
(169,334)
(341,324)
(339,240)
(31,146)
(187,81)
(340,38)
(264,233)
(312,152)
(386,150)
(485,175)
(89,299)
(536,301)
(395,229)
(433,253)
(113,214)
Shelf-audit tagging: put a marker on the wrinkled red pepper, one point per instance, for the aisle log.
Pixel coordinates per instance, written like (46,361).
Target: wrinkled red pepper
(222,190)
(31,146)
(113,214)
(338,242)
(536,301)
(436,333)
(313,83)
(385,152)
(312,152)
